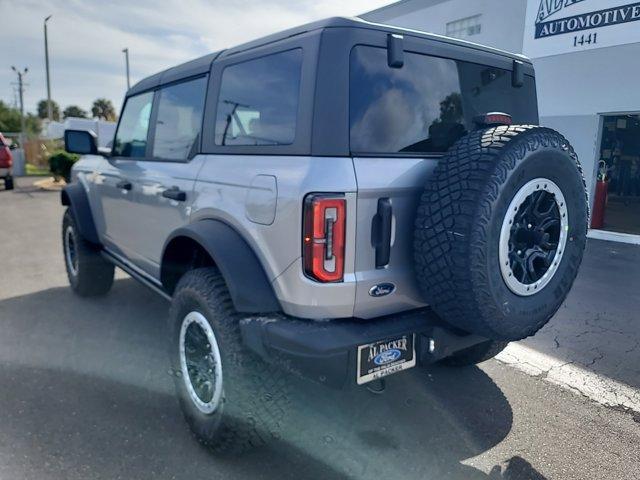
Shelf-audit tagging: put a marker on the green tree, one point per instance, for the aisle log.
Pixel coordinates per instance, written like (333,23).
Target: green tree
(55,110)
(74,111)
(33,125)
(103,109)
(10,121)
(451,109)
(9,118)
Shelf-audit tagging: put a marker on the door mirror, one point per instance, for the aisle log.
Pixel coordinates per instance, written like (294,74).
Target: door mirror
(13,146)
(82,142)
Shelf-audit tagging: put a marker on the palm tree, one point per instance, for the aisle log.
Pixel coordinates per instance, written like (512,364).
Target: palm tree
(103,109)
(42,110)
(74,111)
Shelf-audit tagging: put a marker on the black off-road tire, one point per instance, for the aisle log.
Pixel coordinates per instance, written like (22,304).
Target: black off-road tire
(477,354)
(254,394)
(92,275)
(8,183)
(459,220)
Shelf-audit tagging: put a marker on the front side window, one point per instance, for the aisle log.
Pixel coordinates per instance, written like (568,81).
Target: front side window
(258,102)
(179,120)
(429,103)
(131,138)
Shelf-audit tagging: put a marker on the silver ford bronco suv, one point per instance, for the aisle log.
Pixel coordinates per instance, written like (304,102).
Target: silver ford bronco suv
(341,201)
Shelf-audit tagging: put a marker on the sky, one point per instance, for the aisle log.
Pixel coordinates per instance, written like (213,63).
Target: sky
(86,39)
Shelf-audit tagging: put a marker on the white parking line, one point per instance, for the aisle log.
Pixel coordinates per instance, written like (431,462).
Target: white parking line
(573,377)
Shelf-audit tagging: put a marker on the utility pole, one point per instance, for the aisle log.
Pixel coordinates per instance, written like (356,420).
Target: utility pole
(126,59)
(21,93)
(46,59)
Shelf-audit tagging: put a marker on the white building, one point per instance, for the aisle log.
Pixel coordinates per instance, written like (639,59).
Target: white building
(103,129)
(587,59)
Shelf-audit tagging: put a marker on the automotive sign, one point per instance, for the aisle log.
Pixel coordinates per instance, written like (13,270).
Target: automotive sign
(561,26)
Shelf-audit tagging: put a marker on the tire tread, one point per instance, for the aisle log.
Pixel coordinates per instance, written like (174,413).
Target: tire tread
(453,218)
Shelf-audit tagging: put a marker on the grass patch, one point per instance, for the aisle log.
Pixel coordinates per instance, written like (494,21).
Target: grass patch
(36,171)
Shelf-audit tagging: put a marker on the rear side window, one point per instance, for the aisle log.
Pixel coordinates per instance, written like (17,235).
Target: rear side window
(429,103)
(258,102)
(131,138)
(179,120)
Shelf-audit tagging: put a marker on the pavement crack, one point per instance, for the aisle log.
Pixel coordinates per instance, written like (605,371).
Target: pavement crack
(635,346)
(598,357)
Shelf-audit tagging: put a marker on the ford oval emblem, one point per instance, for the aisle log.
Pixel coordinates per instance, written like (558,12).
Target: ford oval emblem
(382,289)
(387,356)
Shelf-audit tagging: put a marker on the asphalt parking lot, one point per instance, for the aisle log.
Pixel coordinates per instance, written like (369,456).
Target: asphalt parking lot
(85,390)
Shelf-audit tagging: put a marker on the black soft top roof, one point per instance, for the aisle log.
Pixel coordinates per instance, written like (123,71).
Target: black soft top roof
(202,65)
(189,69)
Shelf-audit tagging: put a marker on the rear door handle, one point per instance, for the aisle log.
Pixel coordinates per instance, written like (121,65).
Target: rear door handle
(381,232)
(174,193)
(124,185)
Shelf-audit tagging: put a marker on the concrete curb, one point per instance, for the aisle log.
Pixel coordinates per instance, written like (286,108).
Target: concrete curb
(49,184)
(571,376)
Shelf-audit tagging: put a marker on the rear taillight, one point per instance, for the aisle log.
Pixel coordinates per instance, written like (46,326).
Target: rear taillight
(324,237)
(6,159)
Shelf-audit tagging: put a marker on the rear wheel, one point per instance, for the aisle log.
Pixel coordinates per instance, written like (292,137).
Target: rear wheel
(230,398)
(8,183)
(500,231)
(88,272)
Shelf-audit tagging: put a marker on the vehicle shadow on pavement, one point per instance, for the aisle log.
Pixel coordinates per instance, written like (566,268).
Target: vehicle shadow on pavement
(86,393)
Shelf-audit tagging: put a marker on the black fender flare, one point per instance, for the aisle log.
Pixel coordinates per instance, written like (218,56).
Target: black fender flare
(248,284)
(74,196)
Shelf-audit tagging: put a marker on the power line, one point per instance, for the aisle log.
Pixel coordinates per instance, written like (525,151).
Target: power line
(46,59)
(21,94)
(126,59)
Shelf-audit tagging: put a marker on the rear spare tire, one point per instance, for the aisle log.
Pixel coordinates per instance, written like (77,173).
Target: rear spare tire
(500,231)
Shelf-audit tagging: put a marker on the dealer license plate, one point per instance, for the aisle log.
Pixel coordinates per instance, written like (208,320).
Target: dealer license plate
(382,358)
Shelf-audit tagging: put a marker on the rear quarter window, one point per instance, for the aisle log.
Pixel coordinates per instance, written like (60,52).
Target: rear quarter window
(428,104)
(258,101)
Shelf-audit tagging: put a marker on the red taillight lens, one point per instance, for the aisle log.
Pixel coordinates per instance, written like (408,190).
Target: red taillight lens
(493,118)
(6,159)
(323,237)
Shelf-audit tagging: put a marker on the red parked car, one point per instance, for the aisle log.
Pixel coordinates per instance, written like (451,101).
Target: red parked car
(6,163)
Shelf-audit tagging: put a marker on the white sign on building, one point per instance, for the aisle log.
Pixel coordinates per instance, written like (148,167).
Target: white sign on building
(553,27)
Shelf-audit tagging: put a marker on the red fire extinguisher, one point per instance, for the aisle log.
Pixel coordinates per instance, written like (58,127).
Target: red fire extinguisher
(600,199)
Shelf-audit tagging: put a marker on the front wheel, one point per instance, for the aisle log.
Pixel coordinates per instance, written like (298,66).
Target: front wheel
(231,400)
(88,272)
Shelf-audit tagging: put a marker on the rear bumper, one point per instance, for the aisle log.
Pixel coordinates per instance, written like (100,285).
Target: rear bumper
(5,172)
(326,351)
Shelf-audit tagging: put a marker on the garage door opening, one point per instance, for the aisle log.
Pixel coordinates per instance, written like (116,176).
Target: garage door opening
(619,175)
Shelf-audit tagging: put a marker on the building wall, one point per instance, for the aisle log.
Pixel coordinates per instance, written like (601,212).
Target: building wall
(582,132)
(589,82)
(574,88)
(433,16)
